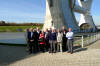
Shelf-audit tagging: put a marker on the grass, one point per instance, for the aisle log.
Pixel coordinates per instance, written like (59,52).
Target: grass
(15,28)
(85,40)
(11,44)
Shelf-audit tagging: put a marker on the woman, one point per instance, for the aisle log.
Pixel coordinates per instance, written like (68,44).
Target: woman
(59,41)
(42,41)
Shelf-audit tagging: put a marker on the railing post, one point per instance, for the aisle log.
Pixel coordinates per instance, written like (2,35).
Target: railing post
(99,35)
(96,36)
(88,40)
(82,42)
(91,38)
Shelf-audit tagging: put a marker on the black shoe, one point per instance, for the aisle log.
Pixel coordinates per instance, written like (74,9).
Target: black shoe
(43,51)
(49,51)
(30,52)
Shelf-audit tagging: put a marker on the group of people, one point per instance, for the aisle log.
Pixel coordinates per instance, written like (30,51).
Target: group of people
(51,40)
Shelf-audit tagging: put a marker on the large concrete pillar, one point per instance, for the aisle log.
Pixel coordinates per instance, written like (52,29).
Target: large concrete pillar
(53,16)
(87,18)
(59,13)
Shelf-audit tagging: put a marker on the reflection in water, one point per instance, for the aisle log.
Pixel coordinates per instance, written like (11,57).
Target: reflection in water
(12,37)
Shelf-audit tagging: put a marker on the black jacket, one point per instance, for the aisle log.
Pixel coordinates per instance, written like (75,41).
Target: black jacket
(29,36)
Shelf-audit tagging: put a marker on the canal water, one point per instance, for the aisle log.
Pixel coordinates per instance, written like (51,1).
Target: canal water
(12,37)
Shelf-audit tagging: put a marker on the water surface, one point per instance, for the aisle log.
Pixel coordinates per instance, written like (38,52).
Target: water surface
(12,37)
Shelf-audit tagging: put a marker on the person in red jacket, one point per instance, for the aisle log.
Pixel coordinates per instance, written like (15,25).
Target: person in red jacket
(42,41)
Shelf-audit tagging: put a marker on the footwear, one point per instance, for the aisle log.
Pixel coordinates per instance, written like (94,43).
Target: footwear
(54,52)
(71,53)
(43,51)
(30,52)
(68,52)
(49,51)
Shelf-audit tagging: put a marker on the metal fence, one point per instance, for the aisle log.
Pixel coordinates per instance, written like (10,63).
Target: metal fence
(86,39)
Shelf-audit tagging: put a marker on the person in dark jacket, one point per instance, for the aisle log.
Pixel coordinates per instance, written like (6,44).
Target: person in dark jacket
(38,33)
(31,40)
(47,39)
(64,42)
(36,38)
(53,41)
(26,37)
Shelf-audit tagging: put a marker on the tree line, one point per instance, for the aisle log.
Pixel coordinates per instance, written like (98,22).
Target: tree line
(3,23)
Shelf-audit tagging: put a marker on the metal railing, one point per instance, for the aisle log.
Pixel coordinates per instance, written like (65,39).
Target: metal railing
(87,39)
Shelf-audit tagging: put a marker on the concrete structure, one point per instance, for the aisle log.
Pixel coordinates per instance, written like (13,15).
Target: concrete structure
(61,13)
(86,16)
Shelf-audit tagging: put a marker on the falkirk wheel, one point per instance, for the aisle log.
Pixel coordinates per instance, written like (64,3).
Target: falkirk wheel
(61,13)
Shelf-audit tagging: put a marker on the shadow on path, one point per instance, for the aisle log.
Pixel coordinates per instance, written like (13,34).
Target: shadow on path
(11,54)
(79,49)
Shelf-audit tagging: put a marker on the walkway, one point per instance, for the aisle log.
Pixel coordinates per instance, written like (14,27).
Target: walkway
(17,56)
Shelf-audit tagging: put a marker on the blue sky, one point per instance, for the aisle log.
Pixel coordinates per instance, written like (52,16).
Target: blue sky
(33,10)
(22,10)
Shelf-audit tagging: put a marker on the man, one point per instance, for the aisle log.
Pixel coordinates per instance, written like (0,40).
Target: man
(53,41)
(26,37)
(64,42)
(38,34)
(38,31)
(31,41)
(36,38)
(70,36)
(47,39)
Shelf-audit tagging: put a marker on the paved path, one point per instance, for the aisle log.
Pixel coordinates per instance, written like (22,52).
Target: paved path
(17,56)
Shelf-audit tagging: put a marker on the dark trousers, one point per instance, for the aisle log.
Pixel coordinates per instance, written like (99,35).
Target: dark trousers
(47,46)
(52,46)
(28,45)
(32,47)
(37,46)
(70,45)
(64,45)
(42,47)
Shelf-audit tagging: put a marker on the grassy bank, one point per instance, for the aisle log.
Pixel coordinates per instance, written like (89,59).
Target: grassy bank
(12,44)
(15,28)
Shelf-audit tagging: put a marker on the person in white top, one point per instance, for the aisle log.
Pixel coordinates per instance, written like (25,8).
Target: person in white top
(59,40)
(70,36)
